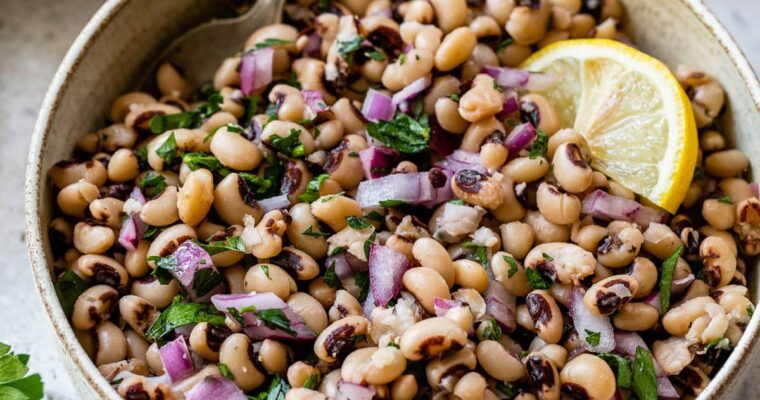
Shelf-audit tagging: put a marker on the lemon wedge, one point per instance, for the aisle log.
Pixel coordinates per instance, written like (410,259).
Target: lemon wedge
(636,118)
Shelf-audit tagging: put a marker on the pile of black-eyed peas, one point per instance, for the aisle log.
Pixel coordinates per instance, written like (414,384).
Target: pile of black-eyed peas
(343,213)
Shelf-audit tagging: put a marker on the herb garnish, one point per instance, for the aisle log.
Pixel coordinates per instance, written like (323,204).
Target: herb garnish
(225,371)
(375,55)
(593,337)
(230,243)
(491,330)
(536,280)
(14,383)
(392,203)
(202,160)
(358,223)
(314,233)
(540,146)
(205,280)
(401,133)
(68,287)
(277,390)
(512,266)
(361,279)
(271,42)
(276,319)
(289,145)
(153,184)
(312,189)
(168,150)
(181,314)
(726,199)
(666,281)
(644,381)
(622,368)
(331,278)
(348,47)
(503,44)
(188,119)
(480,252)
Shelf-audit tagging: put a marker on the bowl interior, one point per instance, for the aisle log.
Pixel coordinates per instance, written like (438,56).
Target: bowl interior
(124,38)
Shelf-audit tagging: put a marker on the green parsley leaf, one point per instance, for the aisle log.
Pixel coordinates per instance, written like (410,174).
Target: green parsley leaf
(188,119)
(11,368)
(401,133)
(454,97)
(323,4)
(375,216)
(644,381)
(68,287)
(539,147)
(314,233)
(593,337)
(276,319)
(458,202)
(142,158)
(202,160)
(394,344)
(375,55)
(721,343)
(666,280)
(536,280)
(368,244)
(151,232)
(503,44)
(289,145)
(358,223)
(547,257)
(271,42)
(181,314)
(312,189)
(348,47)
(622,368)
(512,266)
(492,330)
(726,199)
(251,108)
(230,243)
(353,154)
(402,59)
(361,279)
(265,269)
(4,349)
(312,381)
(153,184)
(392,203)
(699,172)
(277,390)
(225,371)
(497,87)
(337,250)
(325,199)
(234,313)
(480,252)
(14,383)
(205,280)
(750,310)
(168,151)
(331,278)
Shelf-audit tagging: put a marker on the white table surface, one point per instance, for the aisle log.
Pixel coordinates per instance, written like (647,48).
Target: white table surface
(34,36)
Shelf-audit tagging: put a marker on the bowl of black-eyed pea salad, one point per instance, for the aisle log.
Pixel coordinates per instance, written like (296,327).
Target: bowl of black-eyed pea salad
(413,199)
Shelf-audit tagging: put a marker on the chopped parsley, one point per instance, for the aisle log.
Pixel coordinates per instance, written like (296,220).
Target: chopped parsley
(593,337)
(726,199)
(164,267)
(401,133)
(168,150)
(750,310)
(313,233)
(348,47)
(547,257)
(402,59)
(368,244)
(512,266)
(337,250)
(721,343)
(458,202)
(274,318)
(375,55)
(622,368)
(503,44)
(181,314)
(644,380)
(68,287)
(205,280)
(188,119)
(358,223)
(312,381)
(497,87)
(392,203)
(225,371)
(540,146)
(491,330)
(361,279)
(454,97)
(506,389)
(15,384)
(375,216)
(699,172)
(666,281)
(230,243)
(289,145)
(202,160)
(312,189)
(271,42)
(267,185)
(277,390)
(536,280)
(153,184)
(480,252)
(330,197)
(265,270)
(331,278)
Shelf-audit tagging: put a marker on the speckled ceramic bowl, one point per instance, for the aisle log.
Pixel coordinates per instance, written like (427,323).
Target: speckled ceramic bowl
(125,36)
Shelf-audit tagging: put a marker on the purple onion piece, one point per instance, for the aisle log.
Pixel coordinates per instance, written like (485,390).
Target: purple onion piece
(510,104)
(378,106)
(255,327)
(517,78)
(501,305)
(586,322)
(601,204)
(190,259)
(256,70)
(422,188)
(274,203)
(215,388)
(680,285)
(313,46)
(386,267)
(441,306)
(352,391)
(378,161)
(521,137)
(654,300)
(315,102)
(442,141)
(411,91)
(462,159)
(176,359)
(626,344)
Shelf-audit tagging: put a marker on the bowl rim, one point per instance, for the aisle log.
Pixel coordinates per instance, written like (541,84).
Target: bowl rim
(80,48)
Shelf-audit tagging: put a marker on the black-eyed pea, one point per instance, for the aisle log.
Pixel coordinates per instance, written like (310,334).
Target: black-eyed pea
(499,10)
(274,356)
(344,305)
(195,197)
(137,346)
(235,151)
(284,32)
(299,372)
(338,339)
(570,168)
(692,379)
(526,169)
(566,135)
(712,141)
(93,239)
(102,270)
(137,312)
(303,219)
(726,163)
(471,386)
(566,262)
(236,355)
(482,101)
(227,74)
(636,317)
(462,315)
(447,115)
(556,353)
(150,289)
(218,120)
(737,306)
(559,208)
(329,384)
(610,294)
(416,11)
(153,358)
(162,210)
(660,240)
(620,248)
(299,393)
(455,48)
(478,189)
(514,54)
(330,134)
(454,365)
(343,164)
(170,81)
(334,209)
(108,210)
(544,230)
(310,311)
(707,230)
(298,263)
(470,274)
(546,316)
(543,376)
(284,129)
(93,306)
(588,376)
(672,354)
(347,112)
(498,362)
(139,115)
(233,200)
(535,109)
(112,345)
(66,173)
(678,319)
(404,388)
(373,365)
(645,273)
(75,198)
(450,14)
(707,100)
(430,337)
(527,24)
(516,238)
(738,189)
(321,291)
(426,284)
(442,86)
(485,26)
(588,236)
(718,213)
(430,253)
(169,239)
(493,154)
(123,166)
(264,239)
(510,273)
(269,278)
(234,276)
(186,139)
(122,105)
(477,133)
(718,260)
(206,340)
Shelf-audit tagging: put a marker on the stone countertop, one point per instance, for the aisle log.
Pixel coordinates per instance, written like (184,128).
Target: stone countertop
(34,36)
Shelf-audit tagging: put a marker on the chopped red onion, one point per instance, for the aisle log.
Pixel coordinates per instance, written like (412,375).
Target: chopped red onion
(462,159)
(653,299)
(313,46)
(133,228)
(601,204)
(501,305)
(352,391)
(275,203)
(191,258)
(586,321)
(517,78)
(346,266)
(385,12)
(510,104)
(256,70)
(378,161)
(386,267)
(422,188)
(755,189)
(680,285)
(441,306)
(626,344)
(442,141)
(378,106)
(176,359)
(215,388)
(411,91)
(255,327)
(521,137)
(315,103)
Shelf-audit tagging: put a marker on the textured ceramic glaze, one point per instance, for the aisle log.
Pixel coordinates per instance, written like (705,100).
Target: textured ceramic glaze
(123,39)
